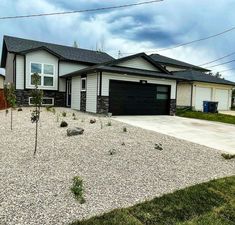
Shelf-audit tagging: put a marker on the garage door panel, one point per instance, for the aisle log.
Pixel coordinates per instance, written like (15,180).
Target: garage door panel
(202,94)
(222,97)
(131,98)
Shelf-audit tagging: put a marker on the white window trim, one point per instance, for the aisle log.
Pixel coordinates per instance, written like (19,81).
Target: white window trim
(84,78)
(53,100)
(42,75)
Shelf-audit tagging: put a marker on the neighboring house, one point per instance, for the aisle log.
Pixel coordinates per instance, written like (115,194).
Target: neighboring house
(95,82)
(203,87)
(2,98)
(197,86)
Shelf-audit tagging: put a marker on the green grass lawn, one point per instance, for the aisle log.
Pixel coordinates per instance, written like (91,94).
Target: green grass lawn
(211,203)
(207,116)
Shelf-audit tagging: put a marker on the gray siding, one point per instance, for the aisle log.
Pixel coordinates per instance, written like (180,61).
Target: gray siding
(19,72)
(9,67)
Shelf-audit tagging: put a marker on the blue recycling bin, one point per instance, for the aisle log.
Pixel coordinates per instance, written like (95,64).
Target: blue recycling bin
(206,106)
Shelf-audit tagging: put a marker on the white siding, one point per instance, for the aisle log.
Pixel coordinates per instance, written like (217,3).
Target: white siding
(9,67)
(91,93)
(67,67)
(184,94)
(111,76)
(41,56)
(62,84)
(138,63)
(76,93)
(20,72)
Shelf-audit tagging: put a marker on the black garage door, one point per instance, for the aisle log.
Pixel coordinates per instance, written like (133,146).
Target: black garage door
(132,98)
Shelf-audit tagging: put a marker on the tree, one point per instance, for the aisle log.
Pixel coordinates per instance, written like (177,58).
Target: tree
(9,92)
(37,95)
(217,74)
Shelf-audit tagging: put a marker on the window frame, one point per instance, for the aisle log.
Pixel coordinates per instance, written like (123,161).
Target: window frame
(42,75)
(83,79)
(53,101)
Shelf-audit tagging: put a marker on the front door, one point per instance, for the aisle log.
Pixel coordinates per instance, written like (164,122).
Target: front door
(68,88)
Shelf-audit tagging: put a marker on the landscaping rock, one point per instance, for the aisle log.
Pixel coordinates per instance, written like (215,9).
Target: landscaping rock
(74,131)
(63,124)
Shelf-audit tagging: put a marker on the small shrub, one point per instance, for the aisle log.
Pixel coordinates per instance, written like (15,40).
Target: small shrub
(48,108)
(20,110)
(123,143)
(124,129)
(74,116)
(109,124)
(228,156)
(63,124)
(77,189)
(7,111)
(112,152)
(64,114)
(92,121)
(53,110)
(158,147)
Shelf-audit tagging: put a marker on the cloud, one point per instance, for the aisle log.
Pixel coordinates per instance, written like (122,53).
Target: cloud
(130,30)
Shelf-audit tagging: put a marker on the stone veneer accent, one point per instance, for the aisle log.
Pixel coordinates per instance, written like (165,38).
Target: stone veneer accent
(22,97)
(172,107)
(102,104)
(83,101)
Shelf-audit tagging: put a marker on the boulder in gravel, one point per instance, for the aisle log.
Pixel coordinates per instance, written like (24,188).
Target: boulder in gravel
(74,131)
(63,124)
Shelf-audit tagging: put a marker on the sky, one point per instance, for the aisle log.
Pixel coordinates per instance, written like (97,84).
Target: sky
(146,28)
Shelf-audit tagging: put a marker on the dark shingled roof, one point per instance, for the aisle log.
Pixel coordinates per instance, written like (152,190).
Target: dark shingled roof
(193,75)
(169,61)
(19,45)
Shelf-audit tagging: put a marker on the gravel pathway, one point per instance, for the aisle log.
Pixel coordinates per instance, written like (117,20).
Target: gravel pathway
(36,191)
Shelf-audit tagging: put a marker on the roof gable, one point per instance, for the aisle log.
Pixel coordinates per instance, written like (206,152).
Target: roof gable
(138,61)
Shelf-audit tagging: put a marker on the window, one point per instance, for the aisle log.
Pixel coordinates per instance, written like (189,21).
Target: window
(162,93)
(45,101)
(46,73)
(84,84)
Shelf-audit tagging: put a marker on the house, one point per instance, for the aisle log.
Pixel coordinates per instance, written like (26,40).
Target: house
(197,86)
(21,58)
(96,82)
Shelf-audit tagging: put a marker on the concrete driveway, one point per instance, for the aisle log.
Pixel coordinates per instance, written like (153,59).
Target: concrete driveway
(211,134)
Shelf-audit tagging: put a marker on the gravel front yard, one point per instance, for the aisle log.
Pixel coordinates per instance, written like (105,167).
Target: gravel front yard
(36,191)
